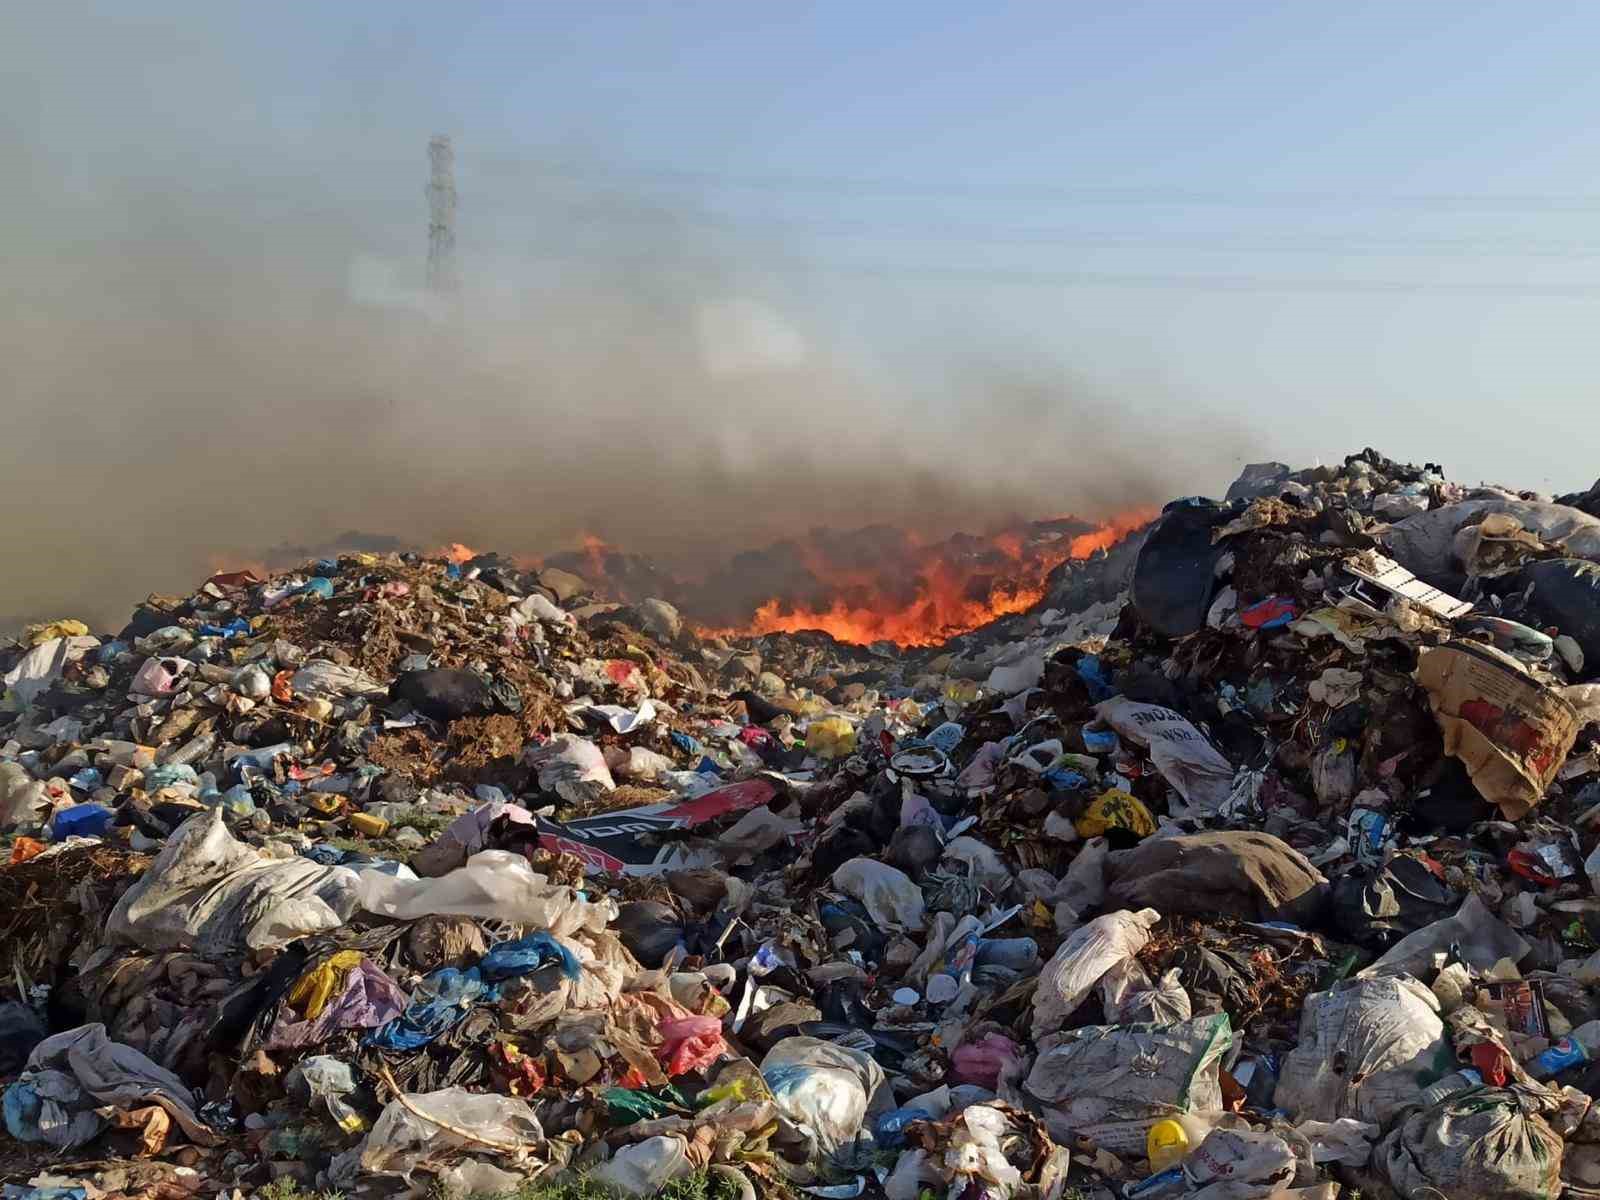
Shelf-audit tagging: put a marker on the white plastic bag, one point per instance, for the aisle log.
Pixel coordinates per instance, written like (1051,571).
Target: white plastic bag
(1082,959)
(537,608)
(822,1088)
(1364,1046)
(892,899)
(208,893)
(493,885)
(406,1137)
(1083,887)
(1238,1164)
(1011,678)
(646,1167)
(1483,938)
(979,861)
(329,681)
(1343,1141)
(1130,998)
(571,767)
(974,1154)
(41,666)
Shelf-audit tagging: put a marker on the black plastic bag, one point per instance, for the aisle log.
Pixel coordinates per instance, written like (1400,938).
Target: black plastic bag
(1566,594)
(1175,574)
(443,694)
(1376,906)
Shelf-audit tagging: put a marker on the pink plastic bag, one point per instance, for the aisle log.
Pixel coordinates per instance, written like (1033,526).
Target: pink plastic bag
(158,677)
(983,1062)
(690,1044)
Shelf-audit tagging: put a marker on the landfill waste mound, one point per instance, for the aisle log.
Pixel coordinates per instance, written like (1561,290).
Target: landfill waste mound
(1258,859)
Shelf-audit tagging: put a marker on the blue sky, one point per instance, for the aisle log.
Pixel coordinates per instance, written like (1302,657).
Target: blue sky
(1304,228)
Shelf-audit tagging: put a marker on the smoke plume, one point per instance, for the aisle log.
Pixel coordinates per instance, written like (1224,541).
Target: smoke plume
(215,347)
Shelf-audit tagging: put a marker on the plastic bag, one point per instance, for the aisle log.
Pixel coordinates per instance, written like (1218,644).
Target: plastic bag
(330,681)
(1486,1143)
(208,893)
(890,897)
(1082,959)
(159,676)
(406,1137)
(1115,809)
(467,835)
(1111,1083)
(644,1168)
(822,1088)
(1375,906)
(1343,1141)
(986,1061)
(1083,887)
(494,885)
(1129,997)
(1365,1046)
(41,666)
(1482,938)
(829,738)
(572,767)
(690,1044)
(974,1155)
(1188,762)
(1010,678)
(1236,1164)
(1566,594)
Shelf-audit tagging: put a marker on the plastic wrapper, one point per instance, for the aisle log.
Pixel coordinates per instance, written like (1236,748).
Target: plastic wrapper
(413,1135)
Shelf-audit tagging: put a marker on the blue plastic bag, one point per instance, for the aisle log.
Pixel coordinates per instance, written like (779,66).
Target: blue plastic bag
(509,960)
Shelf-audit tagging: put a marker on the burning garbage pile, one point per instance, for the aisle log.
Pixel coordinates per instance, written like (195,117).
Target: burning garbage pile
(875,584)
(1258,857)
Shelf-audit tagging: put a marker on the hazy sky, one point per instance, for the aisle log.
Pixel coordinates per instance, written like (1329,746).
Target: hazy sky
(1059,240)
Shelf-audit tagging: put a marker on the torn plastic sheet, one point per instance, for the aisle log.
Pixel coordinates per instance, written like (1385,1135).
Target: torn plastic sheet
(622,841)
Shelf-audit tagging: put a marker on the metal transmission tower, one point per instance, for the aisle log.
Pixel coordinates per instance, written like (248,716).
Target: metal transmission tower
(441,216)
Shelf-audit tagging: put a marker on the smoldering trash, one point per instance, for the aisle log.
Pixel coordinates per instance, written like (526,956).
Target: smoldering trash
(1254,854)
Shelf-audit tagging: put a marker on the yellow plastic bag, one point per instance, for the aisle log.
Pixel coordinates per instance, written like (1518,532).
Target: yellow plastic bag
(1115,809)
(962,691)
(35,635)
(830,737)
(312,991)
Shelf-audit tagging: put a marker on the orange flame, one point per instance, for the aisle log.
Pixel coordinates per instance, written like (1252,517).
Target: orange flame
(952,595)
(456,552)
